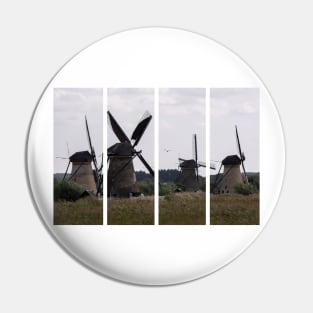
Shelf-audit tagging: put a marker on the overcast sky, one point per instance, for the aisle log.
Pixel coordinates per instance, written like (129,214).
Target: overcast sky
(70,107)
(182,113)
(230,107)
(128,105)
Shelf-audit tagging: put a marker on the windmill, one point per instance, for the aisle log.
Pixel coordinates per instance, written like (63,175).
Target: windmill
(189,169)
(121,173)
(82,172)
(225,183)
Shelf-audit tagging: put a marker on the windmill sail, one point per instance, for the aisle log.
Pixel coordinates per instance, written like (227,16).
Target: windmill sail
(141,127)
(92,150)
(242,156)
(98,170)
(212,166)
(118,131)
(145,163)
(68,165)
(194,147)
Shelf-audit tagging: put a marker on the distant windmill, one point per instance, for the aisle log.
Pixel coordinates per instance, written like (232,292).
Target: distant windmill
(82,172)
(121,173)
(225,183)
(189,174)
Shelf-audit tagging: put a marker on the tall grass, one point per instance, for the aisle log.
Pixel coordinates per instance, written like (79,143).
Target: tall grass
(187,208)
(234,209)
(134,211)
(86,211)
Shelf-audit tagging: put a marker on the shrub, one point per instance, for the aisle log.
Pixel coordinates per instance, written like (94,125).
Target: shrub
(66,190)
(255,181)
(146,187)
(166,188)
(245,189)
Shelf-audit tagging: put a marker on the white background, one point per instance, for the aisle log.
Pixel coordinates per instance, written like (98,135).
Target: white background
(274,273)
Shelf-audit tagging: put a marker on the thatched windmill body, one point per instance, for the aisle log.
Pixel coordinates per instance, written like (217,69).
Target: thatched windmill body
(121,172)
(82,172)
(189,169)
(231,176)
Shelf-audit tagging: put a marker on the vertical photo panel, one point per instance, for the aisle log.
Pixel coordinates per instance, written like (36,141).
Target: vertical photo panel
(130,156)
(235,175)
(182,156)
(78,156)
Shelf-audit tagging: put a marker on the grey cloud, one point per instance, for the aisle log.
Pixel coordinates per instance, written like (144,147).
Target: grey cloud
(225,101)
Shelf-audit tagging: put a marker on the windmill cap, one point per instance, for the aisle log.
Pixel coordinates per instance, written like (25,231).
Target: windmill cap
(81,156)
(231,160)
(188,164)
(120,149)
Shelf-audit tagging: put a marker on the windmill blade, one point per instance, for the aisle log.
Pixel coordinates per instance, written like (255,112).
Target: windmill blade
(92,151)
(88,135)
(68,165)
(212,166)
(244,172)
(194,148)
(100,185)
(118,131)
(101,166)
(99,178)
(68,149)
(145,163)
(96,176)
(224,175)
(197,174)
(76,171)
(241,154)
(141,127)
(217,176)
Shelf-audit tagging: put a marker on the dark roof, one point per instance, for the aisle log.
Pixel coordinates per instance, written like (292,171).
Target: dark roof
(81,156)
(188,164)
(120,149)
(231,160)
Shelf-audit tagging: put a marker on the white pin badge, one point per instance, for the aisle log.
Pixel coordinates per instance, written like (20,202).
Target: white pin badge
(148,156)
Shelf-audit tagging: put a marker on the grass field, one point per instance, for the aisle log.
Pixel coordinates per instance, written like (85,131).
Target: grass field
(187,208)
(135,211)
(175,209)
(234,209)
(87,211)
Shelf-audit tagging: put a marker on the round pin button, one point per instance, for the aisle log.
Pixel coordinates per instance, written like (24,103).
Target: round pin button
(148,156)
